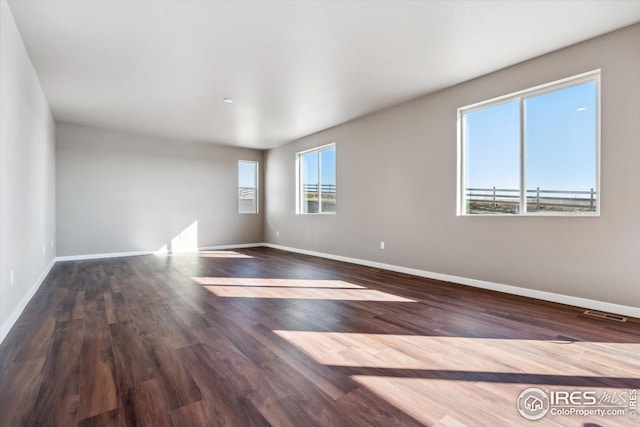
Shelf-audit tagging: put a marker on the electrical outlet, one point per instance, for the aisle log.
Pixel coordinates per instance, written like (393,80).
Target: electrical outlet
(277,234)
(12,277)
(381,245)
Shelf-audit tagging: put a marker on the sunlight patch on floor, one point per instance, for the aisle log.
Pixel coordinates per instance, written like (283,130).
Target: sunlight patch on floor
(451,381)
(454,403)
(446,403)
(304,293)
(461,354)
(277,283)
(222,254)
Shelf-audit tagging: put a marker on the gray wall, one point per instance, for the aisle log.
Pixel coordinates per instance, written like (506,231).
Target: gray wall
(118,192)
(27,172)
(407,154)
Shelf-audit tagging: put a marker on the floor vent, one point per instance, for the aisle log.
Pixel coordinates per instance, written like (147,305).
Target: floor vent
(607,316)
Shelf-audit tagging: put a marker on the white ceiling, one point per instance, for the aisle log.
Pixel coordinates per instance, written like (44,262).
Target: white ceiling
(162,68)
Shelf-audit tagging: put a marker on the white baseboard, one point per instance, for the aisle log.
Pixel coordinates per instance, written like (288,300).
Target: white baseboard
(139,253)
(15,314)
(532,293)
(104,255)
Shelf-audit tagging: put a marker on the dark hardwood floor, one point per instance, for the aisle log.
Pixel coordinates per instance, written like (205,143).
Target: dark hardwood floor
(262,337)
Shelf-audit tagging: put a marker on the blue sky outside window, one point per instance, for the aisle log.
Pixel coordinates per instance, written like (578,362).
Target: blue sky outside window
(557,130)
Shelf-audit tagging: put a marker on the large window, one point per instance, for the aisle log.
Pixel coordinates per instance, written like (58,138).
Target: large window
(535,152)
(247,187)
(316,180)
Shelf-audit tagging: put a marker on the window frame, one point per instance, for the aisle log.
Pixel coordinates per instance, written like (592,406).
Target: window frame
(256,183)
(299,199)
(521,96)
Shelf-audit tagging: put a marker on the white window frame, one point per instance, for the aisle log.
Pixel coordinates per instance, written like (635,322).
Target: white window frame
(299,200)
(256,183)
(591,76)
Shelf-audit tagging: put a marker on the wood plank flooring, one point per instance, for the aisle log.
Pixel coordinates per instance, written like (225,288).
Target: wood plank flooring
(261,337)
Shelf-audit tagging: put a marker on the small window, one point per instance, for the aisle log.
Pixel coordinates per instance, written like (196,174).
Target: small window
(316,180)
(247,187)
(535,152)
